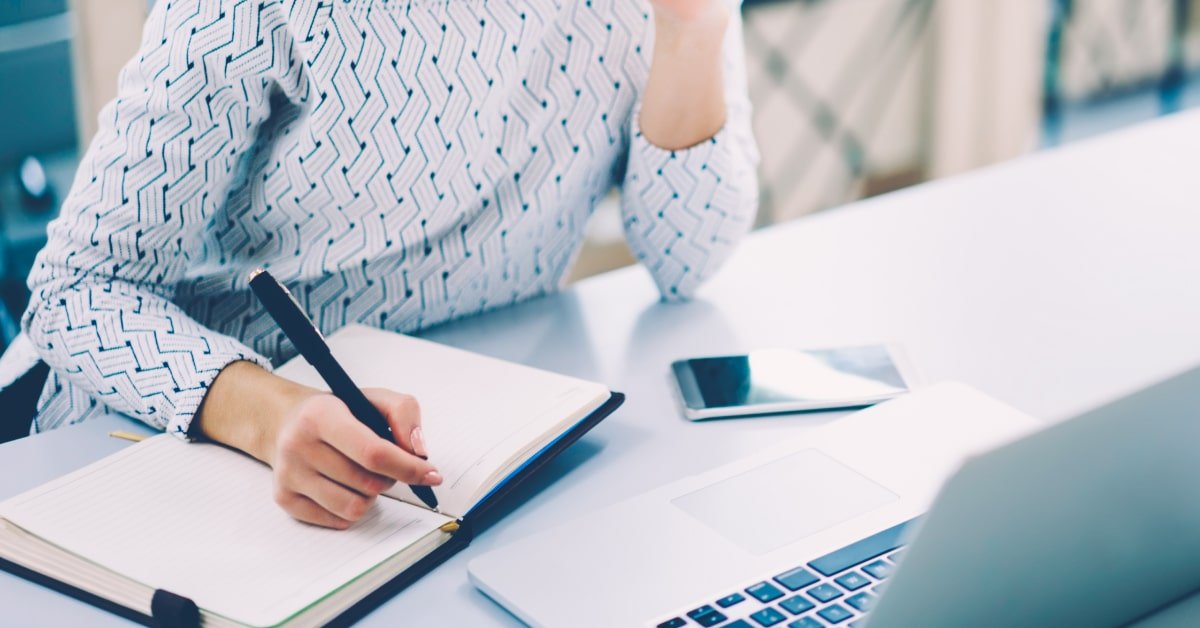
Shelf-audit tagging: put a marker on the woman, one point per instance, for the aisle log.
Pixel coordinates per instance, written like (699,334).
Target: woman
(397,163)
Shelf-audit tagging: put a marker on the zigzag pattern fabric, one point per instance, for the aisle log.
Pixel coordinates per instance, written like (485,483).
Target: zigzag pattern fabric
(395,163)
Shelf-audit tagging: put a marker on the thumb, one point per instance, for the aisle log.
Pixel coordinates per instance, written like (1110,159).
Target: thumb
(403,414)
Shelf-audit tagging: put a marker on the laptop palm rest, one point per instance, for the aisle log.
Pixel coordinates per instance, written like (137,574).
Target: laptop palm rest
(690,542)
(784,501)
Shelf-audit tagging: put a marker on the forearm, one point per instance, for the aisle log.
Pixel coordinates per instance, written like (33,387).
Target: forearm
(684,210)
(684,99)
(130,349)
(328,468)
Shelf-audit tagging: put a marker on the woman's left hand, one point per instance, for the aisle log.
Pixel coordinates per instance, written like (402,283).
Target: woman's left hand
(685,12)
(684,100)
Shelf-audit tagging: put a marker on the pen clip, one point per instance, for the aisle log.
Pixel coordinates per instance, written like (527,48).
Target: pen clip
(262,271)
(297,304)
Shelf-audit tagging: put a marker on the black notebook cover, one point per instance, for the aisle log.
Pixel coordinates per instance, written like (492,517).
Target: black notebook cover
(462,538)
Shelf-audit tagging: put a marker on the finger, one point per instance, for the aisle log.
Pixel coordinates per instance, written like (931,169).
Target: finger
(337,499)
(306,510)
(358,443)
(332,464)
(404,416)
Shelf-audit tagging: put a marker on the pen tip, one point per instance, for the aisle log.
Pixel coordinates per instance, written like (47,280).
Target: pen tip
(257,271)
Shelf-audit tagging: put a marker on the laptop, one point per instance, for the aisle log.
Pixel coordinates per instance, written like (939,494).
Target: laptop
(1094,521)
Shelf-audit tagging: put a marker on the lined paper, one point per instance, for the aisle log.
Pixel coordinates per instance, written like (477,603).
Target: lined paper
(478,413)
(199,520)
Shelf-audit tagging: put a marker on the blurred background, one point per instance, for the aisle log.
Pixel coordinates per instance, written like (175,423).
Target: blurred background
(853,97)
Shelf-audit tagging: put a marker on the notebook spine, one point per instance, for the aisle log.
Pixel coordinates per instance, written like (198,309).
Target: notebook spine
(481,513)
(75,592)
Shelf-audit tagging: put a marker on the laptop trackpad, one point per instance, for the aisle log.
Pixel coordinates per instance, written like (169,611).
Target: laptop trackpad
(784,501)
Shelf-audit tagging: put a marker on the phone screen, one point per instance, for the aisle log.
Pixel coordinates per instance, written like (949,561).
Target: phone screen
(784,376)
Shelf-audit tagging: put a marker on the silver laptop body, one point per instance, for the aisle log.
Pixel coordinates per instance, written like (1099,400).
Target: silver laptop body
(1090,522)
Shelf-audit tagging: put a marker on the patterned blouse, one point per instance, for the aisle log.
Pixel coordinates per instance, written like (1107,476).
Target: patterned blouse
(397,163)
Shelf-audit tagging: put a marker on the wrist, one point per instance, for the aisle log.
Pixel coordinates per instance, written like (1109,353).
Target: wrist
(683,102)
(704,27)
(279,402)
(245,407)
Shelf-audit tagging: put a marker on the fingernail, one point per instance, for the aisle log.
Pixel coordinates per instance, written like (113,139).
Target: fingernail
(418,442)
(433,478)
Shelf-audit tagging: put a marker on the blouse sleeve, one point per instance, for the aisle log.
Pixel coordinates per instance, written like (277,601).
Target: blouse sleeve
(165,157)
(684,211)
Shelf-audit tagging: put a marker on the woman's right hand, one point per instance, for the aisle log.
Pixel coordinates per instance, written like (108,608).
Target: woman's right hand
(328,467)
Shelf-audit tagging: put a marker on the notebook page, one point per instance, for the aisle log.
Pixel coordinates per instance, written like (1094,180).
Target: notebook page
(199,520)
(477,412)
(468,453)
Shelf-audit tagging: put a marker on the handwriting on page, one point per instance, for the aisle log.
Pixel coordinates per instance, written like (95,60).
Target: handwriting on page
(199,520)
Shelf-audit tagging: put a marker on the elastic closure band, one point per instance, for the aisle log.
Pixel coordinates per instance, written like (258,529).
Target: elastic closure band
(173,611)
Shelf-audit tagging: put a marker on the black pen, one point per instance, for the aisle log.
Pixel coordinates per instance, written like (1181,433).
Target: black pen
(308,341)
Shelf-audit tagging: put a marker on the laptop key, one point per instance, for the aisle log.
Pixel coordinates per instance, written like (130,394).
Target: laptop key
(861,601)
(873,546)
(879,569)
(807,622)
(707,616)
(797,605)
(896,555)
(824,592)
(674,622)
(768,617)
(796,579)
(835,614)
(852,581)
(730,600)
(764,592)
(741,623)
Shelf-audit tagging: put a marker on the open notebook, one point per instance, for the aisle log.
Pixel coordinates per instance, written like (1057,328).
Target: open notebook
(198,521)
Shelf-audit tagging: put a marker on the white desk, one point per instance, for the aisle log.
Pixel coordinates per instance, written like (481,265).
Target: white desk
(1055,282)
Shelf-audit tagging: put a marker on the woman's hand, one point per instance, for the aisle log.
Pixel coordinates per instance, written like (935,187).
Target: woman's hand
(328,467)
(684,99)
(686,12)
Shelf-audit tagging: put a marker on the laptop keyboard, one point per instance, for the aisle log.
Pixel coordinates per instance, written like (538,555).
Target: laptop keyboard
(836,589)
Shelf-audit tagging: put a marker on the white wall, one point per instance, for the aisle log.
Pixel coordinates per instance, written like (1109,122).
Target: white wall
(107,34)
(987,75)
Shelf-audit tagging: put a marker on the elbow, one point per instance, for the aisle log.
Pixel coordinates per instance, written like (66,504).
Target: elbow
(678,294)
(34,319)
(680,280)
(682,284)
(51,282)
(45,325)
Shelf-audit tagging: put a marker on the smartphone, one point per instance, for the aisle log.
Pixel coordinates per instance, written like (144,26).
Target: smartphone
(772,381)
